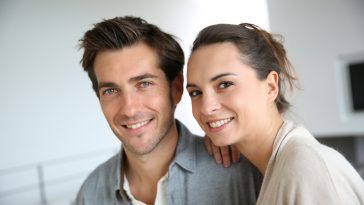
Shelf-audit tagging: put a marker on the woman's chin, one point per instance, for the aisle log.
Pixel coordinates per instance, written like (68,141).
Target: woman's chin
(220,142)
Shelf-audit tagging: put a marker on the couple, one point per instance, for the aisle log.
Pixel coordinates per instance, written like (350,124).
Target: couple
(236,77)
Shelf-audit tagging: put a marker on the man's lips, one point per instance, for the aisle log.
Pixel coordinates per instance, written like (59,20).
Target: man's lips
(137,125)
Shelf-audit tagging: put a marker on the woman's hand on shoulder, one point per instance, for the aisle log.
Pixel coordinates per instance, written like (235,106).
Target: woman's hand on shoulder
(225,155)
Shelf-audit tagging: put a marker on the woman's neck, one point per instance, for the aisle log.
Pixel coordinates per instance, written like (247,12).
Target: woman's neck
(258,147)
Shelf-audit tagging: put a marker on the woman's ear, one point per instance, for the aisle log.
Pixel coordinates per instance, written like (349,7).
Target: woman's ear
(273,85)
(177,88)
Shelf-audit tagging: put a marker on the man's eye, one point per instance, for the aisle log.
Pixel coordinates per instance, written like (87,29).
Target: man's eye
(144,84)
(225,84)
(109,91)
(194,93)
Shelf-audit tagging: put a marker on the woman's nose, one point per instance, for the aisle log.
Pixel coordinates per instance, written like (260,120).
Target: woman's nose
(210,104)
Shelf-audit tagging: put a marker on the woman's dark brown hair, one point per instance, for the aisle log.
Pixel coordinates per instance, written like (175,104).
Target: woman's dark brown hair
(259,49)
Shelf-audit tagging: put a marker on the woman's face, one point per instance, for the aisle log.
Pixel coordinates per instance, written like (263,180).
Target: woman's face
(228,100)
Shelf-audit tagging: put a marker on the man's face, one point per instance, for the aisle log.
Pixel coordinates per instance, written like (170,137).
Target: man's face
(136,97)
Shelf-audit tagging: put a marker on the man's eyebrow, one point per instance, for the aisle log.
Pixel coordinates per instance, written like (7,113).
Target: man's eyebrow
(212,79)
(105,84)
(142,77)
(133,79)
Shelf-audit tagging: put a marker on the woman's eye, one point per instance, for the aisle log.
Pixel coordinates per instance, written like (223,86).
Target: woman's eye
(225,84)
(194,93)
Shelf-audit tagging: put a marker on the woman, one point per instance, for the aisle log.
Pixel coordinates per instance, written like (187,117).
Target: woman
(236,78)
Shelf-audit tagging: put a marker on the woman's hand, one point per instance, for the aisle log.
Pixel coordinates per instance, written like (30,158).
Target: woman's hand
(225,155)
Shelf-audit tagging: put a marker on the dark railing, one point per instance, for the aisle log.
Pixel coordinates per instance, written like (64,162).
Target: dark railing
(40,182)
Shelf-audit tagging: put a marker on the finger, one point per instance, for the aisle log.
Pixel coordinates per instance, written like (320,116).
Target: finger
(216,153)
(235,154)
(225,154)
(208,143)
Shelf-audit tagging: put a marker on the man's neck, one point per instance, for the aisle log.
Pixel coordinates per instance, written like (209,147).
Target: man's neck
(144,171)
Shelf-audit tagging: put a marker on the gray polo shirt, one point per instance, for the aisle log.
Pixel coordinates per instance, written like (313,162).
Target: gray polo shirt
(193,178)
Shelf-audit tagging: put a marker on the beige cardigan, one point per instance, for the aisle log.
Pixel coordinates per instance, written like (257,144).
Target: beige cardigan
(303,171)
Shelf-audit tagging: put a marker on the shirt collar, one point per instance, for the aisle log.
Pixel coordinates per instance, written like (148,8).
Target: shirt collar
(119,174)
(118,171)
(186,148)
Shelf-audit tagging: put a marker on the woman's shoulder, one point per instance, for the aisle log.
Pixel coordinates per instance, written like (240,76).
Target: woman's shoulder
(302,163)
(301,148)
(306,158)
(293,141)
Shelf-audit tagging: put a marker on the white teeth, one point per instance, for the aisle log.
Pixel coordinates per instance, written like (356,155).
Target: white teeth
(219,123)
(135,126)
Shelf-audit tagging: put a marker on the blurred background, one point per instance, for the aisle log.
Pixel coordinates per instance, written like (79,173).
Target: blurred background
(52,130)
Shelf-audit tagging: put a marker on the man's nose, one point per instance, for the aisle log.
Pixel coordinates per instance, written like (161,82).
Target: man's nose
(129,104)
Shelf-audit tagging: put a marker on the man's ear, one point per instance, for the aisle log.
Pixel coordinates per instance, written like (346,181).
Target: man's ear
(272,85)
(177,88)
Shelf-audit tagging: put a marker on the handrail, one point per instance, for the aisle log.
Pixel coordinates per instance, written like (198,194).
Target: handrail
(50,162)
(39,167)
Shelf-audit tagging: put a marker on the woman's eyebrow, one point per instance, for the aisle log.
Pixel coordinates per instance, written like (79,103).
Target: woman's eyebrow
(220,76)
(190,85)
(212,79)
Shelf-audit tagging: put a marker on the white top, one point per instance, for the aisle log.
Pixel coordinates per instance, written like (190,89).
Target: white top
(161,198)
(303,171)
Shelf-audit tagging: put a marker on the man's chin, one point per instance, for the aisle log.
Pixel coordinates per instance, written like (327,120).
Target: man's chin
(140,150)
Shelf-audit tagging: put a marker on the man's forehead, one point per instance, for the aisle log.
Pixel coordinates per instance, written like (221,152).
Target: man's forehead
(127,63)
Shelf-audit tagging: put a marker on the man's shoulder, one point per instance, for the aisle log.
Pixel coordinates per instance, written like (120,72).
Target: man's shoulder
(193,147)
(198,171)
(205,163)
(105,168)
(102,176)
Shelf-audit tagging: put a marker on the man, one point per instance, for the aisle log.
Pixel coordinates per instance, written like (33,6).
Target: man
(137,73)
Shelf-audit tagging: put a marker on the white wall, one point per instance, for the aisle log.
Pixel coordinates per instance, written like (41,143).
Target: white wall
(47,108)
(320,37)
